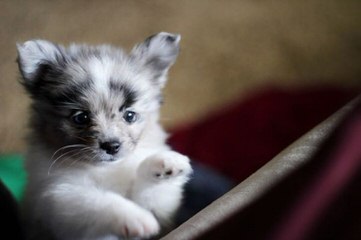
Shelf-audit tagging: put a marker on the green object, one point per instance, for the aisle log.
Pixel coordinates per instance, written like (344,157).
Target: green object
(12,173)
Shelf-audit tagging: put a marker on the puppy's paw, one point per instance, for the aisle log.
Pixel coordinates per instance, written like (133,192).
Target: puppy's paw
(166,165)
(138,223)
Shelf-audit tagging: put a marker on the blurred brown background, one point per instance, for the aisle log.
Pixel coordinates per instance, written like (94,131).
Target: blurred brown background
(229,48)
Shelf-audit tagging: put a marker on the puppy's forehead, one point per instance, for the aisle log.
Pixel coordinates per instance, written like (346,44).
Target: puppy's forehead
(100,71)
(107,80)
(112,81)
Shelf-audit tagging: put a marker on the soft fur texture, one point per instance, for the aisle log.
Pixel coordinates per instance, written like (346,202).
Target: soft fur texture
(98,164)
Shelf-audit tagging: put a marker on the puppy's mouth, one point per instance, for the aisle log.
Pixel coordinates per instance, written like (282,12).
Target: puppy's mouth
(104,157)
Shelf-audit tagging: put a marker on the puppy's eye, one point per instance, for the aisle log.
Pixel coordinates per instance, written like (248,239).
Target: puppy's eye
(81,118)
(130,116)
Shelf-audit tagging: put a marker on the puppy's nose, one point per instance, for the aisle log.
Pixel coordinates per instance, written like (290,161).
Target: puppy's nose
(111,147)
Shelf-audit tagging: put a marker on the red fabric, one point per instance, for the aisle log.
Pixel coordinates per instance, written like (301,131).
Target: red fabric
(320,200)
(344,163)
(241,138)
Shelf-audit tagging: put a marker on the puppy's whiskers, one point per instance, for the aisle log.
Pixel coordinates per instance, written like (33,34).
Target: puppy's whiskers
(94,156)
(83,151)
(66,147)
(71,147)
(62,159)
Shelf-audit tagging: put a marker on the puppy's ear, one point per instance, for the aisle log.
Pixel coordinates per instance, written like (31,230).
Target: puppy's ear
(158,52)
(39,57)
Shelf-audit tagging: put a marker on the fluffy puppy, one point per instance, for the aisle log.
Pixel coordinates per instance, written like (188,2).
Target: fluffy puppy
(98,166)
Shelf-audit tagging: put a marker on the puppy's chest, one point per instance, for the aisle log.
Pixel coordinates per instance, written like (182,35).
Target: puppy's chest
(118,177)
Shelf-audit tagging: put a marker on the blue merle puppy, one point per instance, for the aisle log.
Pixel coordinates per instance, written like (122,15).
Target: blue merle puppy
(98,164)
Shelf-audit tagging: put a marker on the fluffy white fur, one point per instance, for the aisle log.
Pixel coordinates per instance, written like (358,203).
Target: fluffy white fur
(75,189)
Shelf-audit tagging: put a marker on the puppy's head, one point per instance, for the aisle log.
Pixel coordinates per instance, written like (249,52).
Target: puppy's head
(97,102)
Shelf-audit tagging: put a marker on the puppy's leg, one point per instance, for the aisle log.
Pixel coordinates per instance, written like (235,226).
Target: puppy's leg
(160,182)
(84,212)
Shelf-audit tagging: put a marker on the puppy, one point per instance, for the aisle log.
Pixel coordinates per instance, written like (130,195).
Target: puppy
(98,165)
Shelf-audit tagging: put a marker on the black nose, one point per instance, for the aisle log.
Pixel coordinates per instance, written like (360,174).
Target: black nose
(111,147)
